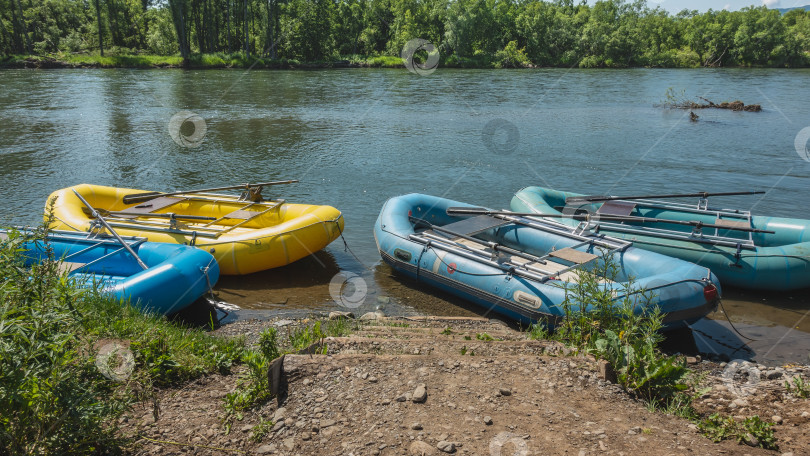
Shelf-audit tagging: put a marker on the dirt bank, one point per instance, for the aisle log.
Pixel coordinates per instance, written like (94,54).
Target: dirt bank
(400,387)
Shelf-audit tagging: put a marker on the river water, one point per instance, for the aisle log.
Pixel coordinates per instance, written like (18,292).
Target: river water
(357,137)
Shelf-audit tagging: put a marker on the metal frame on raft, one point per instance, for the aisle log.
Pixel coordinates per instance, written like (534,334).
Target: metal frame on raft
(696,235)
(531,269)
(199,226)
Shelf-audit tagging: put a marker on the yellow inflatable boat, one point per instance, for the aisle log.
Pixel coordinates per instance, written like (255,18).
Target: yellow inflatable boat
(244,235)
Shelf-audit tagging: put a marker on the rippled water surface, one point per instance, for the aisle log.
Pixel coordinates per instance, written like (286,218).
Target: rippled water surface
(356,137)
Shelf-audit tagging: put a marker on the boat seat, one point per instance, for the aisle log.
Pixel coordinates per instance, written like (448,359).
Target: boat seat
(475,225)
(68,267)
(732,223)
(154,205)
(573,256)
(617,208)
(242,214)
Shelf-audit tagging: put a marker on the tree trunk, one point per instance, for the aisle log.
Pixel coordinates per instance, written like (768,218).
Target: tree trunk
(247,44)
(100,30)
(228,12)
(24,28)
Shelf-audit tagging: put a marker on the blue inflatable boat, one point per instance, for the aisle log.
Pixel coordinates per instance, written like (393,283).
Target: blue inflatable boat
(743,250)
(520,267)
(164,278)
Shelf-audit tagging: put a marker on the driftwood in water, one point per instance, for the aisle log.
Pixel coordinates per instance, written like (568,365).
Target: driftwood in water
(679,101)
(734,105)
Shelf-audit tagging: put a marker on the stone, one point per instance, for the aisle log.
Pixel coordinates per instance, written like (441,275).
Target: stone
(281,323)
(419,448)
(505,391)
(403,397)
(488,420)
(327,423)
(773,375)
(634,430)
(447,447)
(383,299)
(280,414)
(416,427)
(368,316)
(692,360)
(279,426)
(335,315)
(805,414)
(420,393)
(740,402)
(605,371)
(289,443)
(750,440)
(776,419)
(247,427)
(265,449)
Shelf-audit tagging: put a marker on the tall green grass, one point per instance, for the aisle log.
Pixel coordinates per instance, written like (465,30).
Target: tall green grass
(54,397)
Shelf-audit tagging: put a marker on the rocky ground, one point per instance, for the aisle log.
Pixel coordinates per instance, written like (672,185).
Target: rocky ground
(413,387)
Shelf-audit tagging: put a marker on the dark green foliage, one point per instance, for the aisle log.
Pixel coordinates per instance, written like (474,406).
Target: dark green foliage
(468,33)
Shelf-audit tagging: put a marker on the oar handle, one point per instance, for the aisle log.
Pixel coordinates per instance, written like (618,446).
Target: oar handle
(598,198)
(607,218)
(98,217)
(141,197)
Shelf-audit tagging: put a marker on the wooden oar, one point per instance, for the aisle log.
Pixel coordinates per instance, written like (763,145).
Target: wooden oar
(141,197)
(598,217)
(594,199)
(98,217)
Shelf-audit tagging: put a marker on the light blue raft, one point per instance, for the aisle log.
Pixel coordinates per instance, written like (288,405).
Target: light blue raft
(519,267)
(757,260)
(175,275)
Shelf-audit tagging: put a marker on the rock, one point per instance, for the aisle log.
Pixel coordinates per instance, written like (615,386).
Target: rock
(281,323)
(605,371)
(505,391)
(327,423)
(416,427)
(264,449)
(280,414)
(338,315)
(740,402)
(776,419)
(419,448)
(279,426)
(750,440)
(773,375)
(247,427)
(488,420)
(692,360)
(368,316)
(379,313)
(634,430)
(420,393)
(787,454)
(383,299)
(403,397)
(372,379)
(447,447)
(805,414)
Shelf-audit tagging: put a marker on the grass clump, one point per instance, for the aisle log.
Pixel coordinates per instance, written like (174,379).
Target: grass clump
(623,330)
(752,431)
(798,387)
(55,396)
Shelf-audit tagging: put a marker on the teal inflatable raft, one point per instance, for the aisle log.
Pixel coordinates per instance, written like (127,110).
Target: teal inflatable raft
(743,250)
(521,267)
(164,278)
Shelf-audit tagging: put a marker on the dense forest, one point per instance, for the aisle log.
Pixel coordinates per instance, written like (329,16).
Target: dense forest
(500,33)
